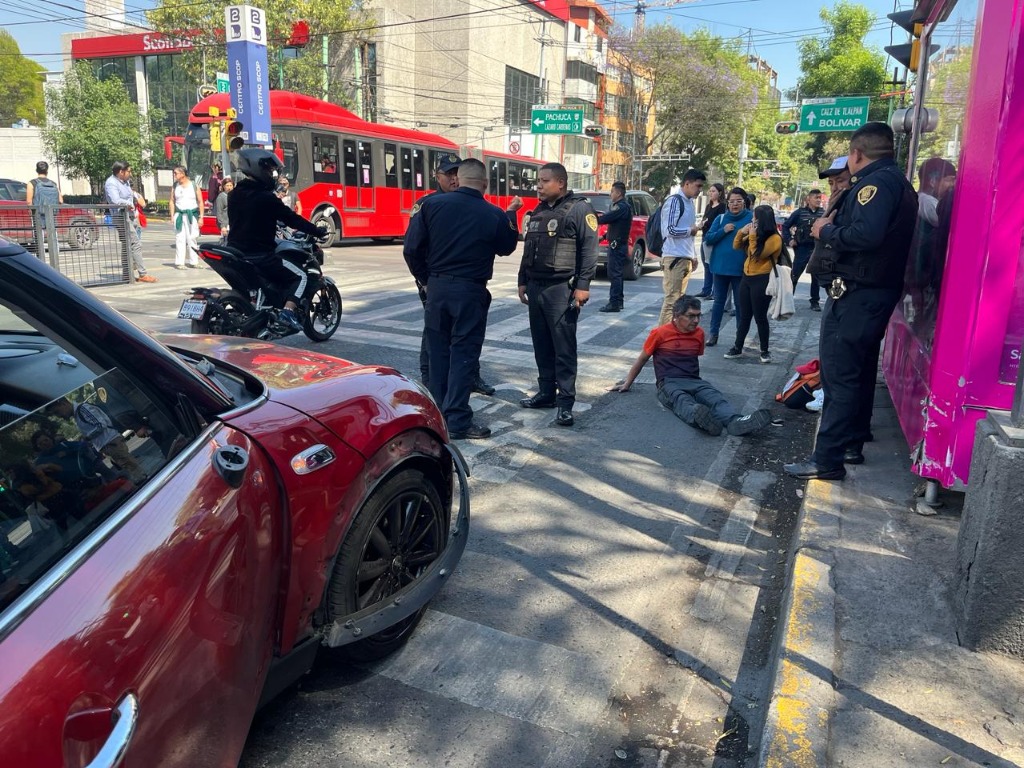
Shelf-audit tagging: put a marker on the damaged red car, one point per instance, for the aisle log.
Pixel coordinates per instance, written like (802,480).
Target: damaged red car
(185,522)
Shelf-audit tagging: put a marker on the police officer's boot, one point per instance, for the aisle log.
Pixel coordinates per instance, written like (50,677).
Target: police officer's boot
(611,307)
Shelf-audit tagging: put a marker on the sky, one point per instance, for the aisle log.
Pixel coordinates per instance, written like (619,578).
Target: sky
(772,27)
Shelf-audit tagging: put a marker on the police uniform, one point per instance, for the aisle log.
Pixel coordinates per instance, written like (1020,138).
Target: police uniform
(450,247)
(861,265)
(619,219)
(803,219)
(559,256)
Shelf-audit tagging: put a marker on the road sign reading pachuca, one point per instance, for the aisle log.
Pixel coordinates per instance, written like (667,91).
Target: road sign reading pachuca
(838,114)
(548,119)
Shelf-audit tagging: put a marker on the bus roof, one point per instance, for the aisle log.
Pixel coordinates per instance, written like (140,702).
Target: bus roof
(288,108)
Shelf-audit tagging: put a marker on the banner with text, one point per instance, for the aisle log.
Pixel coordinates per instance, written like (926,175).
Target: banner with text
(245,31)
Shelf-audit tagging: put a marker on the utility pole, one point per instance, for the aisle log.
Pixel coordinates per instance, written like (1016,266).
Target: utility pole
(541,98)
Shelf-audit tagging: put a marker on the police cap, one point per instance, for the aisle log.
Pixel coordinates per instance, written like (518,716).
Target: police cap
(837,167)
(448,162)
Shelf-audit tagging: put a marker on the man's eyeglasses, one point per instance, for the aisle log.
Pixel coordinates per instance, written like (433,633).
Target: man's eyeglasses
(691,316)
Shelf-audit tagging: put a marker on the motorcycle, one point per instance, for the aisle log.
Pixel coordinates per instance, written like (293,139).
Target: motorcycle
(251,306)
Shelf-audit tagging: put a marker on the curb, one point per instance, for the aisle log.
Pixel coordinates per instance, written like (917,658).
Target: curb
(797,725)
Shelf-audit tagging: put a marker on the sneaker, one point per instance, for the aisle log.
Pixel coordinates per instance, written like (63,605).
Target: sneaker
(288,318)
(766,357)
(193,266)
(744,425)
(179,267)
(145,279)
(817,402)
(815,306)
(733,353)
(703,420)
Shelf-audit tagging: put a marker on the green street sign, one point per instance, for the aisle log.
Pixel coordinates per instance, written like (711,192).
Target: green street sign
(223,84)
(556,120)
(838,114)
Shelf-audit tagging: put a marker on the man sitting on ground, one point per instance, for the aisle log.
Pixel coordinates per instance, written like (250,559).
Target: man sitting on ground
(676,347)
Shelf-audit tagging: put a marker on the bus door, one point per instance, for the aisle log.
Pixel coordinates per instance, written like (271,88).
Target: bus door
(497,185)
(357,169)
(412,163)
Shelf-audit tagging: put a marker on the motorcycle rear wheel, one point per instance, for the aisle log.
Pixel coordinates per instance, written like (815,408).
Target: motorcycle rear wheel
(226,316)
(323,313)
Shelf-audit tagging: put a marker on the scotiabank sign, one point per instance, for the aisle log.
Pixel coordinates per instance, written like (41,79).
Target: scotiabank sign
(143,44)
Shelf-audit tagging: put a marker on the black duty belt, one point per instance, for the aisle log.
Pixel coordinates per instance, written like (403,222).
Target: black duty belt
(458,278)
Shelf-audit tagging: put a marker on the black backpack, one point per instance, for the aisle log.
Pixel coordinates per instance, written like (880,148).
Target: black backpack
(45,193)
(652,232)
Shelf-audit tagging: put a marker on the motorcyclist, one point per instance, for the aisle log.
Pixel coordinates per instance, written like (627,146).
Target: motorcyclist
(253,215)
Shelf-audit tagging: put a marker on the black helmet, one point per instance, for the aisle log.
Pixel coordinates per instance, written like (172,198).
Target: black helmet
(259,164)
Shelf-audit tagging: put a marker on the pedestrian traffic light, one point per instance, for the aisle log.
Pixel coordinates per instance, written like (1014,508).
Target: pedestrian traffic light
(909,54)
(215,128)
(593,131)
(233,131)
(787,127)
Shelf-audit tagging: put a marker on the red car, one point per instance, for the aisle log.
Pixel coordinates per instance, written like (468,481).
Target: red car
(643,205)
(75,226)
(183,524)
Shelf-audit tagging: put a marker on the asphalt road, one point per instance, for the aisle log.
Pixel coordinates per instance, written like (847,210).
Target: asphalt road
(617,601)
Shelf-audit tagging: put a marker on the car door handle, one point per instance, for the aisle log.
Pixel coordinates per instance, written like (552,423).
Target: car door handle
(113,749)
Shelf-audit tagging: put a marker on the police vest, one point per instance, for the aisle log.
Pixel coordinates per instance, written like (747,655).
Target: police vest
(884,266)
(547,251)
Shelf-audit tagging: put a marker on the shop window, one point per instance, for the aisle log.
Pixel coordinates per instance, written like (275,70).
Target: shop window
(325,159)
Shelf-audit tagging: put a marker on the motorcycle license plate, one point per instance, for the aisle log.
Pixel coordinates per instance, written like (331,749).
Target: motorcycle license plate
(192,309)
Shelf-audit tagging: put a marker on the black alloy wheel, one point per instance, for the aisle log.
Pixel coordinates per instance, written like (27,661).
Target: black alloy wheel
(323,313)
(399,532)
(225,316)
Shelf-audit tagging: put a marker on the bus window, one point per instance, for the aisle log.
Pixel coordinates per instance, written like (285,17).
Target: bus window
(406,168)
(522,180)
(348,155)
(365,163)
(390,165)
(433,167)
(290,150)
(498,178)
(417,164)
(325,158)
(529,182)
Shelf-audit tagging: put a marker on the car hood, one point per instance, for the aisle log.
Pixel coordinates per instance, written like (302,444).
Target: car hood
(361,404)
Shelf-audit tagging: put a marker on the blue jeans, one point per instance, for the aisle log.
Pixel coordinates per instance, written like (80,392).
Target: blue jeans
(724,284)
(684,395)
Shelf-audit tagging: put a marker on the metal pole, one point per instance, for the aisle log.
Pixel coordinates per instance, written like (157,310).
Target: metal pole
(325,81)
(1017,414)
(743,146)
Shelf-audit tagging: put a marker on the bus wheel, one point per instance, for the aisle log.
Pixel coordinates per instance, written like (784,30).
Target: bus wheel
(332,227)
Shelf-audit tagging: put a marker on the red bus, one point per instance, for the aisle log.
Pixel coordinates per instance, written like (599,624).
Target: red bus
(361,179)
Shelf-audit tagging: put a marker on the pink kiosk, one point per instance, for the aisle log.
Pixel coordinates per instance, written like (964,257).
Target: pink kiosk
(953,346)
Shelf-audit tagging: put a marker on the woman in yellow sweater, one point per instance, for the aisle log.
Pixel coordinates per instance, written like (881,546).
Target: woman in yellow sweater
(760,239)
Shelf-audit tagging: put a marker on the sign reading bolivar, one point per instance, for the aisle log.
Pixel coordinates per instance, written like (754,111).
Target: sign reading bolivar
(834,114)
(555,119)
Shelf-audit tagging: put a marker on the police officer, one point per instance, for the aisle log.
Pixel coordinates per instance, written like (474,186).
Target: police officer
(446,174)
(867,242)
(619,219)
(450,248)
(797,228)
(559,261)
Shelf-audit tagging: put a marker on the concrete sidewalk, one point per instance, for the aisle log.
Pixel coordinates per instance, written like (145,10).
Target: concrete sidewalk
(869,671)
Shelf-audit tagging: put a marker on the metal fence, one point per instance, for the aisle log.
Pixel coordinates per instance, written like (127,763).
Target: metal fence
(85,242)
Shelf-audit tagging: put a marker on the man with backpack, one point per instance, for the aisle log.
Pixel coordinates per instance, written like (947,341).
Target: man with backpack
(677,220)
(43,193)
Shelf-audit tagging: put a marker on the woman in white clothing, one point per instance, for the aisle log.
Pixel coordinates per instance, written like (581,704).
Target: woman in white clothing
(186,205)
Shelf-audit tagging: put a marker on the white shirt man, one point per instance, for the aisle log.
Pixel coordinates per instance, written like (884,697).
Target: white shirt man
(678,228)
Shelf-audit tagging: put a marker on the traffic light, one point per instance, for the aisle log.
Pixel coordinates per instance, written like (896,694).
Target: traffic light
(593,131)
(909,54)
(787,127)
(215,129)
(233,131)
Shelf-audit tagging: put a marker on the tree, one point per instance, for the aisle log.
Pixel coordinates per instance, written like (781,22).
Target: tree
(203,23)
(94,124)
(950,78)
(703,90)
(839,64)
(21,84)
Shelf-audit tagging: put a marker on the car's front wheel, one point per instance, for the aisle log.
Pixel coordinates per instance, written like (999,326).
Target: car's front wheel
(81,235)
(635,265)
(398,533)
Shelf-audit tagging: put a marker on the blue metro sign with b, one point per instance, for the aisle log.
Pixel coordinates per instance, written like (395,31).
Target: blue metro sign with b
(245,31)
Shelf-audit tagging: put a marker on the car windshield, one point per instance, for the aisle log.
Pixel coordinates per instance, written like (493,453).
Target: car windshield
(601,203)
